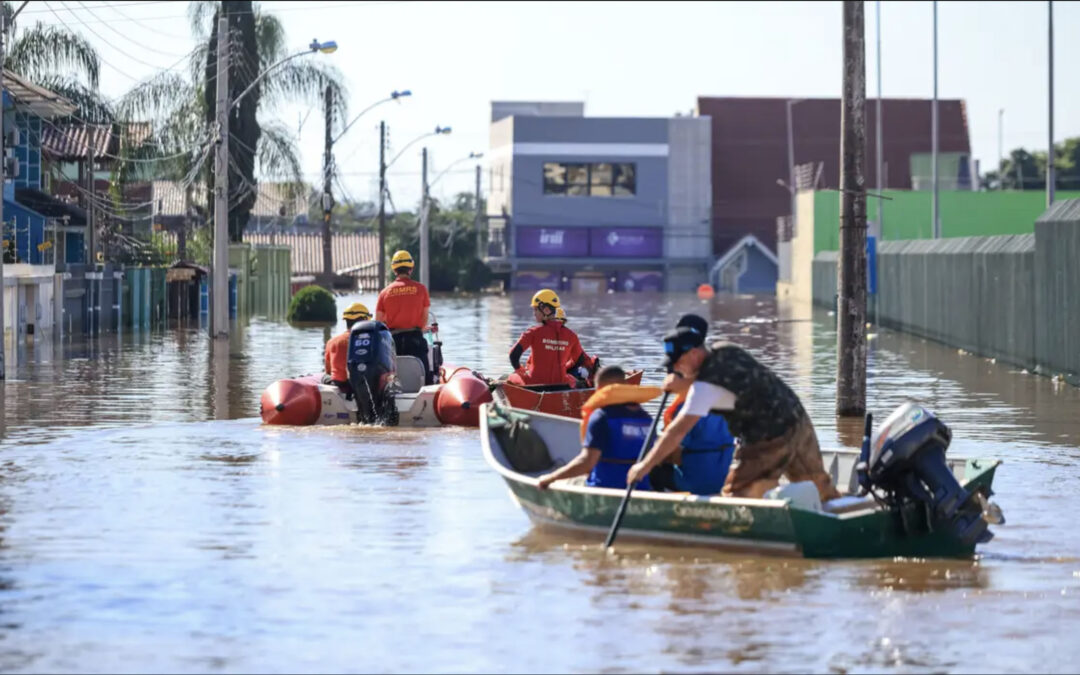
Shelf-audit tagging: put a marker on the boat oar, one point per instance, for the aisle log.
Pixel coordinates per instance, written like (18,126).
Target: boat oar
(629,485)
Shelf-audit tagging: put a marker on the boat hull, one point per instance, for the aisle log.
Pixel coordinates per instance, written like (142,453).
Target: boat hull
(563,403)
(306,401)
(772,526)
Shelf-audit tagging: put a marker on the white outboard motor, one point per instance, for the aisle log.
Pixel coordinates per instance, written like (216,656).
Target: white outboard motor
(906,463)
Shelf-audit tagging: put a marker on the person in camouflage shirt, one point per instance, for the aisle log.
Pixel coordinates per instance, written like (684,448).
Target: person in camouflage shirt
(775,435)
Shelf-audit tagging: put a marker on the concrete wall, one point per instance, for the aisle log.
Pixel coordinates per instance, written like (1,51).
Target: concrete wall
(1010,297)
(1057,283)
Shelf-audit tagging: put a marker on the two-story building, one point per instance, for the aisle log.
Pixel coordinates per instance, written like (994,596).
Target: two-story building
(592,204)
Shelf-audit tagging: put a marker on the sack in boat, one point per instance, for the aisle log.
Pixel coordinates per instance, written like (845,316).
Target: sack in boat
(523,447)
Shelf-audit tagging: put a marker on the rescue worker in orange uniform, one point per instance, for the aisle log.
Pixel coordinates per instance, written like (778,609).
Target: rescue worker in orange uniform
(553,345)
(336,369)
(403,307)
(583,374)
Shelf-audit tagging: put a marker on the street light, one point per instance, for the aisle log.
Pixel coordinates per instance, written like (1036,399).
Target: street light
(443,131)
(383,166)
(472,155)
(328,47)
(328,197)
(395,95)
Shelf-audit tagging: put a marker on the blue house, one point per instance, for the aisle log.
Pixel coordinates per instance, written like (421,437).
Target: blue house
(29,231)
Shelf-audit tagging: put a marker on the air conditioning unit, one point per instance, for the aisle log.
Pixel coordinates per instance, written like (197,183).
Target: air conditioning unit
(12,138)
(11,167)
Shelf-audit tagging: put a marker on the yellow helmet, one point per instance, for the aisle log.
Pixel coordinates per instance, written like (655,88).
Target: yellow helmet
(401,259)
(357,311)
(560,314)
(546,297)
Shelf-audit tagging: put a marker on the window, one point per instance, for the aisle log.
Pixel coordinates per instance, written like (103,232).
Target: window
(598,179)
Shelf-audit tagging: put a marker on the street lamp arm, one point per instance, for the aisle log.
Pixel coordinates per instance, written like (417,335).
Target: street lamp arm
(328,47)
(407,146)
(392,97)
(472,155)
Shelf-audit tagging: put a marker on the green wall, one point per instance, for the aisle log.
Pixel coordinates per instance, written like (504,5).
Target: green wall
(963,214)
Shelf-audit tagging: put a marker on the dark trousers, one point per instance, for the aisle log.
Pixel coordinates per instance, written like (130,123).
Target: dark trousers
(412,343)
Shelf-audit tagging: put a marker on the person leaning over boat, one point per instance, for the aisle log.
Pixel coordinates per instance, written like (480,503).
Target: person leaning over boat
(336,356)
(776,437)
(705,453)
(614,432)
(403,307)
(552,345)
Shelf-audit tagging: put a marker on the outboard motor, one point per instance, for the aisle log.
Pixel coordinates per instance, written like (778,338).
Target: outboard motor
(907,464)
(371,372)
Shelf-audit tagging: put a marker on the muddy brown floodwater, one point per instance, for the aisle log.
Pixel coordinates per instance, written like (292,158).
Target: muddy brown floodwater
(151,524)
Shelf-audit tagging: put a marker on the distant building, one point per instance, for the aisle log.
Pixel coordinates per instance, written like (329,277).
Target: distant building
(597,204)
(750,155)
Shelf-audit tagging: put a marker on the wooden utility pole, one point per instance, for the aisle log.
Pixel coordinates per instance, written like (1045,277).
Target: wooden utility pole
(851,272)
(328,198)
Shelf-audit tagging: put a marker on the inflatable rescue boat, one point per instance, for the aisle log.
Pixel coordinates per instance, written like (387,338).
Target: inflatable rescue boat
(387,389)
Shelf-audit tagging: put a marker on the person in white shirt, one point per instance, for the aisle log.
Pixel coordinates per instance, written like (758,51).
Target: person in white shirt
(775,435)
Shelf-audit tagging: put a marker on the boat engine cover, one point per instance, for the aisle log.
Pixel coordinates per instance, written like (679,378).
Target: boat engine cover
(907,462)
(371,371)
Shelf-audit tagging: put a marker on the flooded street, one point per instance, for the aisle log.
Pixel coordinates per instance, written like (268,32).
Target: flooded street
(149,523)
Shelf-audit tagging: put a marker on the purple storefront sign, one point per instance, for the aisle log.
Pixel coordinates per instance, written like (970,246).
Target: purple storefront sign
(626,242)
(647,280)
(552,242)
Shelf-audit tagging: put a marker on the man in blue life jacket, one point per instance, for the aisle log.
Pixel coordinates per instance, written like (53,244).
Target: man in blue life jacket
(613,438)
(705,453)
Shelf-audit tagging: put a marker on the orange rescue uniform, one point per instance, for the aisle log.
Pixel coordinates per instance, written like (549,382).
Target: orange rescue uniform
(403,303)
(337,355)
(553,346)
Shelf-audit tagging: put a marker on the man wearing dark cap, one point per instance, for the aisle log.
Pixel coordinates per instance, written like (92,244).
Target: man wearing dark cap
(776,437)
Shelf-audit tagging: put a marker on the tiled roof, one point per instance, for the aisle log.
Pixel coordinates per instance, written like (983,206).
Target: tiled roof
(72,140)
(349,250)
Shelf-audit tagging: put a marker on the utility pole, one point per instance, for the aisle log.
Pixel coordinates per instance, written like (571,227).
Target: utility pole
(219,301)
(1050,173)
(878,132)
(328,197)
(934,138)
(478,222)
(1001,153)
(3,181)
(851,281)
(791,164)
(91,244)
(382,206)
(425,232)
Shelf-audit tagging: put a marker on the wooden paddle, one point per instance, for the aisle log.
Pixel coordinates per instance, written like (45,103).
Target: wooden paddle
(629,486)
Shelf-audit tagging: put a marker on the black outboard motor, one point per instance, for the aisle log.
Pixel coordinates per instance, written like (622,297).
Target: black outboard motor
(907,464)
(371,372)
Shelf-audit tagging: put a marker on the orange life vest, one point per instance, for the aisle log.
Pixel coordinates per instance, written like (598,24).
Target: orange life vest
(615,394)
(669,414)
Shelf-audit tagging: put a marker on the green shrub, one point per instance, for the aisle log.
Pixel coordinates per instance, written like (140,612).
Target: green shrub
(312,304)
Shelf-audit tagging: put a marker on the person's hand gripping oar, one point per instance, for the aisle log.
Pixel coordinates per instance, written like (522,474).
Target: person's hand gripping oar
(629,485)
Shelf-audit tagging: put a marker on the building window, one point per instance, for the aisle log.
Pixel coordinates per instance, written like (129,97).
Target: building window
(598,179)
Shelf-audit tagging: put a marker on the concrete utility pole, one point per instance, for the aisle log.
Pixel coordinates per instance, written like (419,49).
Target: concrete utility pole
(425,231)
(219,300)
(3,181)
(1050,173)
(382,205)
(1001,153)
(478,222)
(328,197)
(934,139)
(851,278)
(791,163)
(878,132)
(91,244)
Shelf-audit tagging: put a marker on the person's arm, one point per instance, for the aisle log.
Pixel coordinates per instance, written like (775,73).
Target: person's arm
(523,343)
(326,359)
(424,319)
(668,443)
(581,465)
(427,306)
(380,315)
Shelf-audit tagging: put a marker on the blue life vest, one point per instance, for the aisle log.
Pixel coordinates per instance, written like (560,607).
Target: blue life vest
(706,456)
(617,431)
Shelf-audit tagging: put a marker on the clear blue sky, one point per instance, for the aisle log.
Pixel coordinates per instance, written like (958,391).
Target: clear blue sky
(623,59)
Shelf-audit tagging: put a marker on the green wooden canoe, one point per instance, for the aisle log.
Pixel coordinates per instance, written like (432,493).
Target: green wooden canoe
(846,528)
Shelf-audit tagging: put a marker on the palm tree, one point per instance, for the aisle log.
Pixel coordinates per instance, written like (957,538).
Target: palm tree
(61,61)
(183,108)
